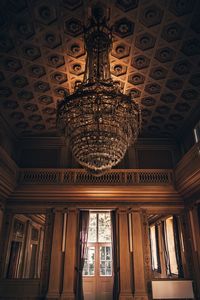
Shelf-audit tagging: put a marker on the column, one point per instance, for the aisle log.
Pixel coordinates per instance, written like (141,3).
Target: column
(68,292)
(56,257)
(185,246)
(124,258)
(140,286)
(195,236)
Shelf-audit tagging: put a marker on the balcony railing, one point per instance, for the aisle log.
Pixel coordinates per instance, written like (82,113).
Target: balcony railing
(80,176)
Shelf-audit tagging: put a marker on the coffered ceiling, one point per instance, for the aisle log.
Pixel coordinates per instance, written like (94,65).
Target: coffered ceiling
(155,56)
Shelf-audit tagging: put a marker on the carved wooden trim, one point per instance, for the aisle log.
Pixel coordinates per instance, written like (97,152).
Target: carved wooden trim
(112,177)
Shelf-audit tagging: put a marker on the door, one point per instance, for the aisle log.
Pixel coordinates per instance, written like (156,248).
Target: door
(97,272)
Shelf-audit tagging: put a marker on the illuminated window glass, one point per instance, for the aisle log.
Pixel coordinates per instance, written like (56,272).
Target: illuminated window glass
(99,248)
(92,232)
(197,132)
(104,227)
(154,258)
(89,263)
(171,246)
(105,261)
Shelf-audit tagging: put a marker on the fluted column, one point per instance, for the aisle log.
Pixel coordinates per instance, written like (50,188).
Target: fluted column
(69,278)
(138,257)
(124,258)
(56,257)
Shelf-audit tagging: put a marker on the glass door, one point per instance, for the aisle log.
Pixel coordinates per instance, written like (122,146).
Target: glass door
(97,272)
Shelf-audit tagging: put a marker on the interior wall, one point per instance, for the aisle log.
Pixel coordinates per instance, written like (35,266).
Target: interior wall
(56,153)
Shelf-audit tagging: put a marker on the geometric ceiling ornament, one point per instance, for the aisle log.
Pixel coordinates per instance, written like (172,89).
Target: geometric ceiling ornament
(174,84)
(145,41)
(123,27)
(5,91)
(37,71)
(51,40)
(6,43)
(11,64)
(172,32)
(158,73)
(73,27)
(55,60)
(165,54)
(180,8)
(72,4)
(168,98)
(163,110)
(189,94)
(191,47)
(25,28)
(195,79)
(140,62)
(136,79)
(151,16)
(25,95)
(120,50)
(126,5)
(31,52)
(148,101)
(182,107)
(45,13)
(155,59)
(152,88)
(182,67)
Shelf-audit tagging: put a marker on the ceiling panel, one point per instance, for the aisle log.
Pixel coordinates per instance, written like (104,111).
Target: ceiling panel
(155,56)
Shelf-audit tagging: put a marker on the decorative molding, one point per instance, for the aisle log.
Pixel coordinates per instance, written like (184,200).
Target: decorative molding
(81,177)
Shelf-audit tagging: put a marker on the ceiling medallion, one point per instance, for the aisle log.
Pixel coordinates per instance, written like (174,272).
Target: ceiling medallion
(98,119)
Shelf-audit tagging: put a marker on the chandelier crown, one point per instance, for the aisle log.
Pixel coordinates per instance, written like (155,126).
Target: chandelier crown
(99,120)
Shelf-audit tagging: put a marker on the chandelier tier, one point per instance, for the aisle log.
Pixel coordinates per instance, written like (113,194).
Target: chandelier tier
(99,120)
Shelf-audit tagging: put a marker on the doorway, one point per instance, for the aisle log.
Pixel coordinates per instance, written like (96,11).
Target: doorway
(98,266)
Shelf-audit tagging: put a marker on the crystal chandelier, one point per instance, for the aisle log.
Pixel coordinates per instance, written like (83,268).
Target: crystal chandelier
(99,120)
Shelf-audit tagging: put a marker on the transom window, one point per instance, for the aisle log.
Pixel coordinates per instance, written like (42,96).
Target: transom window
(99,227)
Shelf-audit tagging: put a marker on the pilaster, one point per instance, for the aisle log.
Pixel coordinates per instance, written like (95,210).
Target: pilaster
(124,258)
(56,258)
(69,278)
(140,285)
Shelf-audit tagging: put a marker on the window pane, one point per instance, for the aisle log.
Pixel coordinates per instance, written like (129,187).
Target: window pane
(88,269)
(92,232)
(105,261)
(153,248)
(171,245)
(104,227)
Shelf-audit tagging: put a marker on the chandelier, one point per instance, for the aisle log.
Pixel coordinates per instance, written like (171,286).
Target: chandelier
(99,120)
